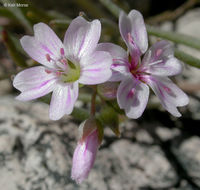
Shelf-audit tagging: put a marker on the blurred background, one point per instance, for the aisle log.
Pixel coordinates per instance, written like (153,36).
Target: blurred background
(155,152)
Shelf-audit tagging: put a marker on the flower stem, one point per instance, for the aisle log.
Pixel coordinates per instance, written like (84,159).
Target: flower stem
(190,60)
(113,8)
(93,101)
(174,37)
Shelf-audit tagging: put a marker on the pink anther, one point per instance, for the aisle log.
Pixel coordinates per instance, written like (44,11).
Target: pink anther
(58,73)
(64,61)
(48,71)
(48,57)
(62,51)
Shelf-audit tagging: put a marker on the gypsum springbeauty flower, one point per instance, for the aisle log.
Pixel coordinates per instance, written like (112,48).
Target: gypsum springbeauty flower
(86,150)
(138,75)
(65,65)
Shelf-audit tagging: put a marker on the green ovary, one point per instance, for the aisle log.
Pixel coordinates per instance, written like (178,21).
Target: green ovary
(73,73)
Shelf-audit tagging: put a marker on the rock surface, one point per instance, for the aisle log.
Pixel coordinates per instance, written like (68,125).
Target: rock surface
(36,154)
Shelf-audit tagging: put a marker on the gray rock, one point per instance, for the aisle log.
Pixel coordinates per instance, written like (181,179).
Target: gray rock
(188,154)
(36,153)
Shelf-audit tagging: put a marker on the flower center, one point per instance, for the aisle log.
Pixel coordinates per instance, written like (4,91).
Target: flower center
(72,74)
(65,69)
(136,70)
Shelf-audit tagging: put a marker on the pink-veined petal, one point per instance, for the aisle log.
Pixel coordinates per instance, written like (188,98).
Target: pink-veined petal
(33,83)
(44,42)
(120,60)
(115,51)
(132,95)
(31,78)
(63,99)
(124,26)
(170,95)
(138,30)
(95,68)
(160,60)
(81,38)
(133,32)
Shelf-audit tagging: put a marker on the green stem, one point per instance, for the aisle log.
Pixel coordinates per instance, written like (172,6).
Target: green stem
(18,14)
(175,37)
(60,23)
(86,98)
(114,9)
(89,6)
(12,49)
(190,60)
(93,101)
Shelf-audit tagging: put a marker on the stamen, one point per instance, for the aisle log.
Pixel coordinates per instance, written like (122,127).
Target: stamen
(64,61)
(58,73)
(48,71)
(48,57)
(156,62)
(62,51)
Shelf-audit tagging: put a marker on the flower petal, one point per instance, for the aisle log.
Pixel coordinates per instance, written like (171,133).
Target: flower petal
(132,95)
(170,95)
(120,60)
(133,31)
(34,83)
(95,68)
(63,99)
(81,38)
(31,78)
(115,51)
(160,60)
(44,42)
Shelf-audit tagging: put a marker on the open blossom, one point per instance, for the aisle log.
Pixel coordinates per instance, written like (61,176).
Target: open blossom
(137,75)
(86,150)
(64,65)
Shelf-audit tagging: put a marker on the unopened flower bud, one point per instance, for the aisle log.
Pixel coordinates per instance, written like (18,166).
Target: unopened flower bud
(85,152)
(108,90)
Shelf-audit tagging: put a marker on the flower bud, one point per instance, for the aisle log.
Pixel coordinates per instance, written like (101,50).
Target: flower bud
(108,90)
(85,152)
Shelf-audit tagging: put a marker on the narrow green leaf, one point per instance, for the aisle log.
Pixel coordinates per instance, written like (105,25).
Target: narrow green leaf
(186,58)
(89,6)
(113,104)
(18,14)
(6,13)
(175,37)
(12,49)
(113,8)
(61,23)
(80,114)
(109,117)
